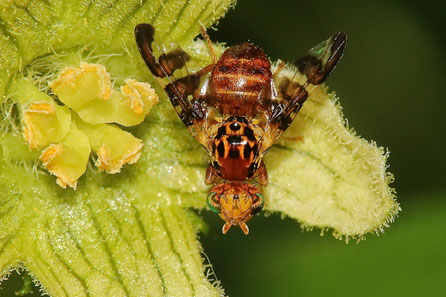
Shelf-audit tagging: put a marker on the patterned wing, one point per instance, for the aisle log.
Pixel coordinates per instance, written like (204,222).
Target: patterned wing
(193,113)
(316,66)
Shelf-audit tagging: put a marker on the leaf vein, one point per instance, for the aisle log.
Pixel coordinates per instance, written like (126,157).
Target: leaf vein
(121,235)
(107,250)
(188,31)
(183,232)
(128,17)
(53,273)
(84,255)
(9,35)
(149,248)
(158,12)
(177,18)
(175,251)
(6,243)
(64,263)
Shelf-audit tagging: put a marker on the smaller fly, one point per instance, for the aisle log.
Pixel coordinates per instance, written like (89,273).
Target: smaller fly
(237,109)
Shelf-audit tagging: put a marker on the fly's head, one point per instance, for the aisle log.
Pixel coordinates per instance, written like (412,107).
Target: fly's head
(236,203)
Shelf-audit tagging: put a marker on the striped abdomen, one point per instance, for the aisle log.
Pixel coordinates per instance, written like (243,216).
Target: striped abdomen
(241,81)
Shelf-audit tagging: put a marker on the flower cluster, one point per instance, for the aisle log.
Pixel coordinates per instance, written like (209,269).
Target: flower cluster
(68,133)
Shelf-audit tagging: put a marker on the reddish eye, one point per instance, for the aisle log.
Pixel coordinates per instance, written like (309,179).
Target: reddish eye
(258,202)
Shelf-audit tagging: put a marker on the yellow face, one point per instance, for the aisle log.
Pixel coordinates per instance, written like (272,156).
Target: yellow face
(236,203)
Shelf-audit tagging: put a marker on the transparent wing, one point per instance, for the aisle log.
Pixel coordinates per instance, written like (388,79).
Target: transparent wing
(316,66)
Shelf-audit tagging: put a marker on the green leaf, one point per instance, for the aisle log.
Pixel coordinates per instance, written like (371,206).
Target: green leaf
(119,235)
(97,243)
(324,175)
(129,233)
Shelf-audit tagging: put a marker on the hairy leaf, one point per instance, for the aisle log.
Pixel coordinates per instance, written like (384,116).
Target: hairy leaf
(324,175)
(116,235)
(129,233)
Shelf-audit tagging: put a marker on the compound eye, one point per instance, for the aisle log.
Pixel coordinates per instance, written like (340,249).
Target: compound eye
(213,203)
(258,204)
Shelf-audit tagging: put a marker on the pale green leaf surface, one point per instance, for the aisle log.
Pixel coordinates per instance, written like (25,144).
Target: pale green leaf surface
(331,178)
(98,242)
(118,235)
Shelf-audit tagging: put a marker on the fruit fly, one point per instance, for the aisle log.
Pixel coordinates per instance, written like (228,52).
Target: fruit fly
(237,109)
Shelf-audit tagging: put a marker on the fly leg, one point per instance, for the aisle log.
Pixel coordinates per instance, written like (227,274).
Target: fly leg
(211,175)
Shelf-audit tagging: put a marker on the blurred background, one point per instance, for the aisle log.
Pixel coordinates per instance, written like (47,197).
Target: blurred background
(391,83)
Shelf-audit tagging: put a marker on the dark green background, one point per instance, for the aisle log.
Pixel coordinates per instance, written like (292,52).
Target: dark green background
(391,83)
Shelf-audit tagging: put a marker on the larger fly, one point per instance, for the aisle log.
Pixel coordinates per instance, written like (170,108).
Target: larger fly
(237,109)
